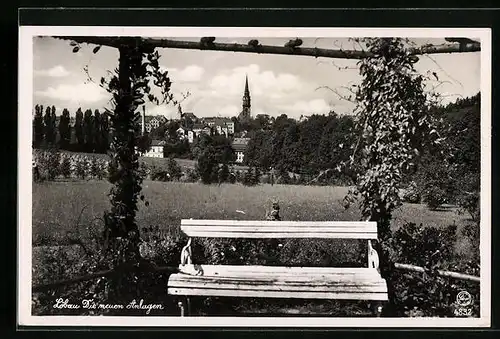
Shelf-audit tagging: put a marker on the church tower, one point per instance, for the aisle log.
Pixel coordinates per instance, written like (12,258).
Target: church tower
(245,113)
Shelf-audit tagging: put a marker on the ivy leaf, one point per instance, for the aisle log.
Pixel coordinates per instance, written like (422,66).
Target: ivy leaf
(76,49)
(73,43)
(96,49)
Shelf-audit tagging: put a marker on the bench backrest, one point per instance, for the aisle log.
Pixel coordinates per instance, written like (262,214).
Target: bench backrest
(279,229)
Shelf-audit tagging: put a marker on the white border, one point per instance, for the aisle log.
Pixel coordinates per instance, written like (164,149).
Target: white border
(26,34)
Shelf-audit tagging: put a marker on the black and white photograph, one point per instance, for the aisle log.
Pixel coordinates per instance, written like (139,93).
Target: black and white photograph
(209,176)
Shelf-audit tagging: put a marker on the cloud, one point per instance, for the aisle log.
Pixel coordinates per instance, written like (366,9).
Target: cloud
(191,73)
(228,110)
(262,83)
(84,92)
(306,107)
(54,72)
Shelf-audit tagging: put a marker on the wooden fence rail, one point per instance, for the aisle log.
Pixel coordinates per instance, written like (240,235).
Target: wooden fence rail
(266,49)
(454,275)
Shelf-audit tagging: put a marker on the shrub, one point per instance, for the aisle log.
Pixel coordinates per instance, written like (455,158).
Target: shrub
(411,194)
(223,173)
(173,169)
(51,161)
(81,168)
(434,197)
(191,175)
(65,167)
(470,203)
(160,174)
(428,294)
(94,168)
(249,177)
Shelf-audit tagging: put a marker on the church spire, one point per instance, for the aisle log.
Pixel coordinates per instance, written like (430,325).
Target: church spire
(247,92)
(245,113)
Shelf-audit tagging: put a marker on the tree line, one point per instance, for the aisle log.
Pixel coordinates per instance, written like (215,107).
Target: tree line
(90,132)
(306,147)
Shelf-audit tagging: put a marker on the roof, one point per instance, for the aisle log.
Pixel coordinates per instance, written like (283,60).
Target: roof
(189,115)
(242,141)
(240,144)
(157,143)
(200,126)
(239,148)
(148,118)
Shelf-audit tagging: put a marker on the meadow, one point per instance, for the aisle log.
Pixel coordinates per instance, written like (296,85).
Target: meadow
(72,206)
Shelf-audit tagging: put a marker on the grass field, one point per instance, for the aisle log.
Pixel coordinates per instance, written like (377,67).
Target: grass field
(57,206)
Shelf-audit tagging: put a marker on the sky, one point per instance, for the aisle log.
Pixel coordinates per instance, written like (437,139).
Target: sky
(278,84)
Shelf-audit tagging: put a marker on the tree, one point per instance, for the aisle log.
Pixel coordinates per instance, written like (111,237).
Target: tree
(88,131)
(38,127)
(53,125)
(258,152)
(174,169)
(64,130)
(105,138)
(96,132)
(79,129)
(47,119)
(223,149)
(207,165)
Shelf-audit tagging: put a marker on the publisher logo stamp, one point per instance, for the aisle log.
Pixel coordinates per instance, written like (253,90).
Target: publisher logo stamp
(464,299)
(463,304)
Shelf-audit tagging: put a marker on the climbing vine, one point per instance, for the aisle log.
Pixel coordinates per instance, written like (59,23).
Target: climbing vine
(130,85)
(392,117)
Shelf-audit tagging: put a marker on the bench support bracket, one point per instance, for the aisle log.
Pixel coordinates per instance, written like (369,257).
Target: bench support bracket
(373,260)
(186,254)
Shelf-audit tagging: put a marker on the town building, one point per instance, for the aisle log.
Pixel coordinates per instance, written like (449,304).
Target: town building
(221,125)
(240,145)
(155,150)
(201,128)
(153,122)
(186,133)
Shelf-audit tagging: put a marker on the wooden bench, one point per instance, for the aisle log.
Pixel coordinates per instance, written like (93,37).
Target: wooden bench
(363,283)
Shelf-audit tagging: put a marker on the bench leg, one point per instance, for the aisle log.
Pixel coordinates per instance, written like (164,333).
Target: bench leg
(188,306)
(185,307)
(181,307)
(378,308)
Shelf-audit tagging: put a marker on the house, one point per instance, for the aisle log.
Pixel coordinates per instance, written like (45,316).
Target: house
(199,129)
(240,145)
(155,150)
(222,125)
(182,132)
(185,133)
(153,122)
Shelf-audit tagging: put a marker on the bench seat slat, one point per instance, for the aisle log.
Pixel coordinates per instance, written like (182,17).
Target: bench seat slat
(281,235)
(257,229)
(281,286)
(210,222)
(234,270)
(264,293)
